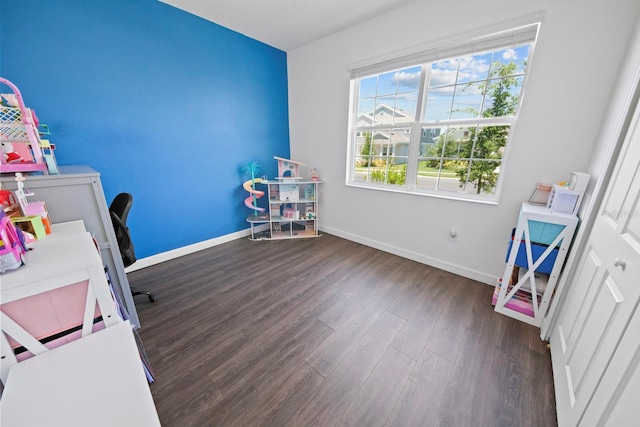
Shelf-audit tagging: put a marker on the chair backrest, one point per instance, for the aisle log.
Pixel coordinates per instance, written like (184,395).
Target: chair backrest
(119,210)
(121,205)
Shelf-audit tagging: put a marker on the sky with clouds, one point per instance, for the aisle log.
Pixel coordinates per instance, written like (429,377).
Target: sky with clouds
(454,88)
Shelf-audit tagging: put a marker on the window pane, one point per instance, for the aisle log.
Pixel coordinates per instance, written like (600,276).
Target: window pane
(439,104)
(363,144)
(381,156)
(429,171)
(389,98)
(517,55)
(407,94)
(385,107)
(502,97)
(443,73)
(458,142)
(467,101)
(387,84)
(405,79)
(365,112)
(455,177)
(490,142)
(429,137)
(407,103)
(482,177)
(400,138)
(368,87)
(387,112)
(389,142)
(380,142)
(362,168)
(387,171)
(474,67)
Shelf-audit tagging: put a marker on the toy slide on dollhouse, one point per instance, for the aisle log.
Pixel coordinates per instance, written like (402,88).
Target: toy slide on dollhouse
(22,148)
(253,194)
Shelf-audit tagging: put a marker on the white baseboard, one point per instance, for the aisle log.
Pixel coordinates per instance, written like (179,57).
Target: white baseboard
(433,262)
(186,250)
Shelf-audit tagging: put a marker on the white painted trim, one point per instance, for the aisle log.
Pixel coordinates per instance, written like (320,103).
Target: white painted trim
(186,250)
(433,262)
(438,48)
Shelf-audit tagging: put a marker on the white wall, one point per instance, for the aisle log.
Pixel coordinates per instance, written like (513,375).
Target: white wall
(575,64)
(615,123)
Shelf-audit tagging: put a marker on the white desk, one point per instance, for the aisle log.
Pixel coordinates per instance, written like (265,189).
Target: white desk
(69,227)
(58,260)
(97,378)
(94,381)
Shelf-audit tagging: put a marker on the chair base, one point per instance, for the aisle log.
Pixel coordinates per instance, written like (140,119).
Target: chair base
(152,297)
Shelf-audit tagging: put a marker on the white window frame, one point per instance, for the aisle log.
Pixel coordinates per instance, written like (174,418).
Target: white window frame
(523,31)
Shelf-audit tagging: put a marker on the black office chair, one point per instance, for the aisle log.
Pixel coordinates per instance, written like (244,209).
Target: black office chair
(119,210)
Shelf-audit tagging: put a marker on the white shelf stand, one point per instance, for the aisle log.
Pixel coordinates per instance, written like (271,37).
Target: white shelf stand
(534,262)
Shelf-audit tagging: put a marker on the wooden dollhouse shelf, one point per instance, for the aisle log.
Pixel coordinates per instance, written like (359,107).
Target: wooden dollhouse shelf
(292,212)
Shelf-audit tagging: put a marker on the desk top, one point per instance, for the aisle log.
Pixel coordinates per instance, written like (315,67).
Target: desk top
(54,256)
(94,381)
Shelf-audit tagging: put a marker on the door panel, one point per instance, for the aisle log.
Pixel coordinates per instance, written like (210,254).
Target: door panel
(593,335)
(615,402)
(590,274)
(604,294)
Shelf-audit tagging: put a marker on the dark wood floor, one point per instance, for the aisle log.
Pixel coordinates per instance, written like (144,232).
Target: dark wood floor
(328,332)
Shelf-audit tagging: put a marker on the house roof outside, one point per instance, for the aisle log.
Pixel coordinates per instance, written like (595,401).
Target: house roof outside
(384,115)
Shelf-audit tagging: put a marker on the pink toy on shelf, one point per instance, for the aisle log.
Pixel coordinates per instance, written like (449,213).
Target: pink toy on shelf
(13,246)
(520,302)
(21,149)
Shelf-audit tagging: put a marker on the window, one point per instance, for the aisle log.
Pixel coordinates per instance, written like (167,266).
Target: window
(439,121)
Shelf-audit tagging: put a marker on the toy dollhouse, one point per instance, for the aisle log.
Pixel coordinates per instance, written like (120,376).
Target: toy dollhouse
(293,205)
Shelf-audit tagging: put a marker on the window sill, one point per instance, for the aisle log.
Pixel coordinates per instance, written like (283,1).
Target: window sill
(461,197)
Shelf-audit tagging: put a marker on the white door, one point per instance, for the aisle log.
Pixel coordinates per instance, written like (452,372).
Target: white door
(602,296)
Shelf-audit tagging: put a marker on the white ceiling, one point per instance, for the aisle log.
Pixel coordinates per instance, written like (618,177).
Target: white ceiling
(286,24)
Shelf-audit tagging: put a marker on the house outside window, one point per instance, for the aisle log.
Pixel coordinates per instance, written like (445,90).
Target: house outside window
(440,123)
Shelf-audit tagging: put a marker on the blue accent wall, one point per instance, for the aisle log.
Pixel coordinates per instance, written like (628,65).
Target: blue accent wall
(165,105)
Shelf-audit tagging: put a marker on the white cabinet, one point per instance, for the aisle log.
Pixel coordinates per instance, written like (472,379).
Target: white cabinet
(292,212)
(535,259)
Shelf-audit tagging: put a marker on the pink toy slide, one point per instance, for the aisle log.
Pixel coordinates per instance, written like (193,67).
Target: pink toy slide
(257,193)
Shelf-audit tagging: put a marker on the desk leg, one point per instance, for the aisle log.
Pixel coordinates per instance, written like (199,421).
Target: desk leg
(98,291)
